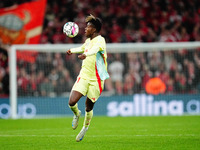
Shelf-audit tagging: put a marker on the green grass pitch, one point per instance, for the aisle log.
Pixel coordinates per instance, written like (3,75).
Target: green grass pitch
(105,133)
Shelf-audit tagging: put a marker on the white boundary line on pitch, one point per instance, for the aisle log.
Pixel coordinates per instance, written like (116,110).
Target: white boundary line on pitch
(134,135)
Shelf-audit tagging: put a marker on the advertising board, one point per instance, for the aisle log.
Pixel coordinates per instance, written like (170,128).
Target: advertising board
(123,105)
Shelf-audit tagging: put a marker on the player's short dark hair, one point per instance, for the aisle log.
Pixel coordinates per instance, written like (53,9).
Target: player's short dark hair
(95,21)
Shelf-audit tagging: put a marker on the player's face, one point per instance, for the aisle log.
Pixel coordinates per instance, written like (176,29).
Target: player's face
(89,30)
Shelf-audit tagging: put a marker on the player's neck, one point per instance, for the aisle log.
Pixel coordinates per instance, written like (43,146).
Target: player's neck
(94,35)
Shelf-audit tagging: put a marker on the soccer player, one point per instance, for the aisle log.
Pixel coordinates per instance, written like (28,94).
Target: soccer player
(90,80)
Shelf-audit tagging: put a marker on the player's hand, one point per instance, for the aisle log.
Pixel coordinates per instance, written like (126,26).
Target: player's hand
(82,56)
(69,52)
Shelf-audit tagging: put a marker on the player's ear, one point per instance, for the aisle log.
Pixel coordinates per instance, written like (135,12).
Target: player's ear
(94,30)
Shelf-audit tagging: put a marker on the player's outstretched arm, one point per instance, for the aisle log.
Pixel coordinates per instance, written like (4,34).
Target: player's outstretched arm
(76,50)
(92,51)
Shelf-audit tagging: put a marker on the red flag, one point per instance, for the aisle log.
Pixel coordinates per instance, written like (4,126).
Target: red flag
(22,24)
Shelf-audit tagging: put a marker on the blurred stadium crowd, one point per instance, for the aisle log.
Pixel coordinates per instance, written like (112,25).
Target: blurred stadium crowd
(123,21)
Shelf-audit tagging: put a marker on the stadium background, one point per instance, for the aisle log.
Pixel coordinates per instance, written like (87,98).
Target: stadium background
(53,74)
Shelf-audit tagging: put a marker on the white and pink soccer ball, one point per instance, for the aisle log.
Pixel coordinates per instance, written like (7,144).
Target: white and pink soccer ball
(71,29)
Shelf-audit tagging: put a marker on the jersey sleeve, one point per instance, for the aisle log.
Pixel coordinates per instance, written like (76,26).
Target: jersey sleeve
(78,49)
(92,51)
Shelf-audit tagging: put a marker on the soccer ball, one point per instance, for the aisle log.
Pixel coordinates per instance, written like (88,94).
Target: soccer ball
(71,29)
